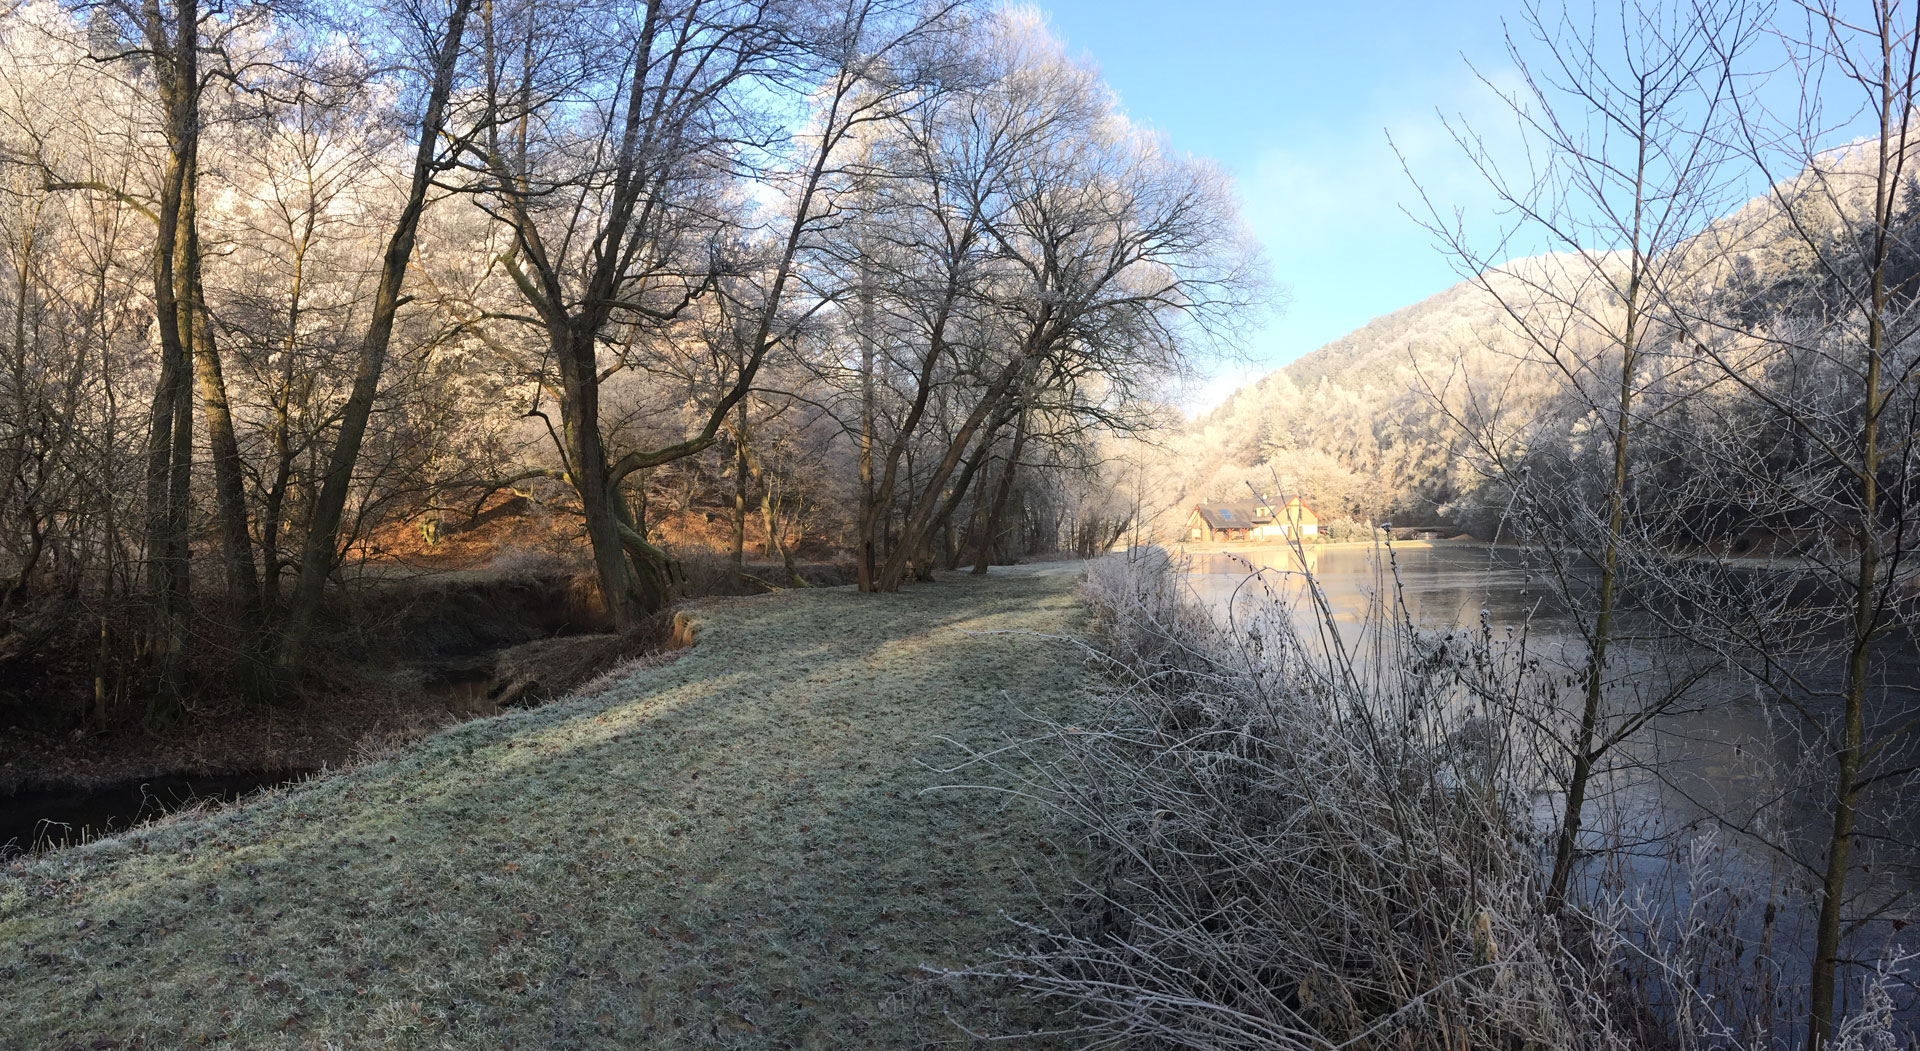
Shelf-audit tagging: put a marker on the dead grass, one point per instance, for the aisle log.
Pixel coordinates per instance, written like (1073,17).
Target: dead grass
(731,850)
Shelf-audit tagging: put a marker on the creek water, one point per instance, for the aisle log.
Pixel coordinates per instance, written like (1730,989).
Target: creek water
(38,819)
(1726,778)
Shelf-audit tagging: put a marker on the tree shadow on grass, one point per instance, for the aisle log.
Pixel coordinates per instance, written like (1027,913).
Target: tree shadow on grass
(733,849)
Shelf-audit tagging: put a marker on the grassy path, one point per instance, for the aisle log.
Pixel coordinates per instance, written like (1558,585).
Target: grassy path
(731,850)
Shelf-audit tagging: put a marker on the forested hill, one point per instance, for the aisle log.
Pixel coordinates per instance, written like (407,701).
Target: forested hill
(1379,353)
(1356,424)
(1377,424)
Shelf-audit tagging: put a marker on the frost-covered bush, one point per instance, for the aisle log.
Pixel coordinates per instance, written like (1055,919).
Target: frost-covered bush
(1298,852)
(1312,837)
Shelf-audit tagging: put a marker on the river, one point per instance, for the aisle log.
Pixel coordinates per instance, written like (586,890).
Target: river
(1720,777)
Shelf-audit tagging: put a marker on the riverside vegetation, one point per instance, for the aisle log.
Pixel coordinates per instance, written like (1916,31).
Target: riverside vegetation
(1683,371)
(964,809)
(891,287)
(1310,839)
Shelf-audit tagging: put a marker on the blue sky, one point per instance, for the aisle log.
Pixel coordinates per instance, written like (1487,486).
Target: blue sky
(1296,100)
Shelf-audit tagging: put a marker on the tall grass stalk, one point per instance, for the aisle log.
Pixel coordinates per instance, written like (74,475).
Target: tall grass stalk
(1320,839)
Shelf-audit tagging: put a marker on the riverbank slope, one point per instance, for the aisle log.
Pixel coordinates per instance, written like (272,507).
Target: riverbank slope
(733,850)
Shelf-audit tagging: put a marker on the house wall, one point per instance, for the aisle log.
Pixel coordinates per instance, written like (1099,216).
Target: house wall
(1303,518)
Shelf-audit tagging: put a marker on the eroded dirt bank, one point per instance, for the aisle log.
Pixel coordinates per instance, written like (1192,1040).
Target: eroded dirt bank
(735,848)
(402,659)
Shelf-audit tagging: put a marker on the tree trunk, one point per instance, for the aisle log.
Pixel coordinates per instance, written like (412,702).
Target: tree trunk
(1867,600)
(280,436)
(740,488)
(229,483)
(323,531)
(990,535)
(777,548)
(970,536)
(170,422)
(909,425)
(1584,755)
(963,482)
(913,530)
(600,500)
(868,560)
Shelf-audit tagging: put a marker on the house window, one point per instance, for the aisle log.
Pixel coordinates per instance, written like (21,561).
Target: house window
(1226,515)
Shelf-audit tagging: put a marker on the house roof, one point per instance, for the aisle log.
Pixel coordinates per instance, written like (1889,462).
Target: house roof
(1243,514)
(1231,516)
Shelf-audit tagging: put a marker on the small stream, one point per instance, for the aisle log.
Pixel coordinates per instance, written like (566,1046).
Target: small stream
(35,820)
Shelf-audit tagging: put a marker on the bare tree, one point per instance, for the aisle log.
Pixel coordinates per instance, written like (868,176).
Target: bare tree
(1810,450)
(293,278)
(614,229)
(441,42)
(1631,129)
(171,42)
(1106,251)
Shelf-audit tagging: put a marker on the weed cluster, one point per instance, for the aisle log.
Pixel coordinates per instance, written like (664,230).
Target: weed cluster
(1317,835)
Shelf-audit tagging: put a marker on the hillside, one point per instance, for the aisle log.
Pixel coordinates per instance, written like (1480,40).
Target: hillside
(1370,425)
(734,849)
(1377,353)
(1357,425)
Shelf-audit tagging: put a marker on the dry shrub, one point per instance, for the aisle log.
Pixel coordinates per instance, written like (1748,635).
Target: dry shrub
(1300,853)
(708,573)
(519,560)
(1321,839)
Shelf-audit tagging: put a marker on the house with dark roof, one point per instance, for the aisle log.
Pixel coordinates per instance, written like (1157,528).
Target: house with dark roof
(1249,522)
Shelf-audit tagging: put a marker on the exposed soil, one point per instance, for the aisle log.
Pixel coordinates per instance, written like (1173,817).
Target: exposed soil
(426,651)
